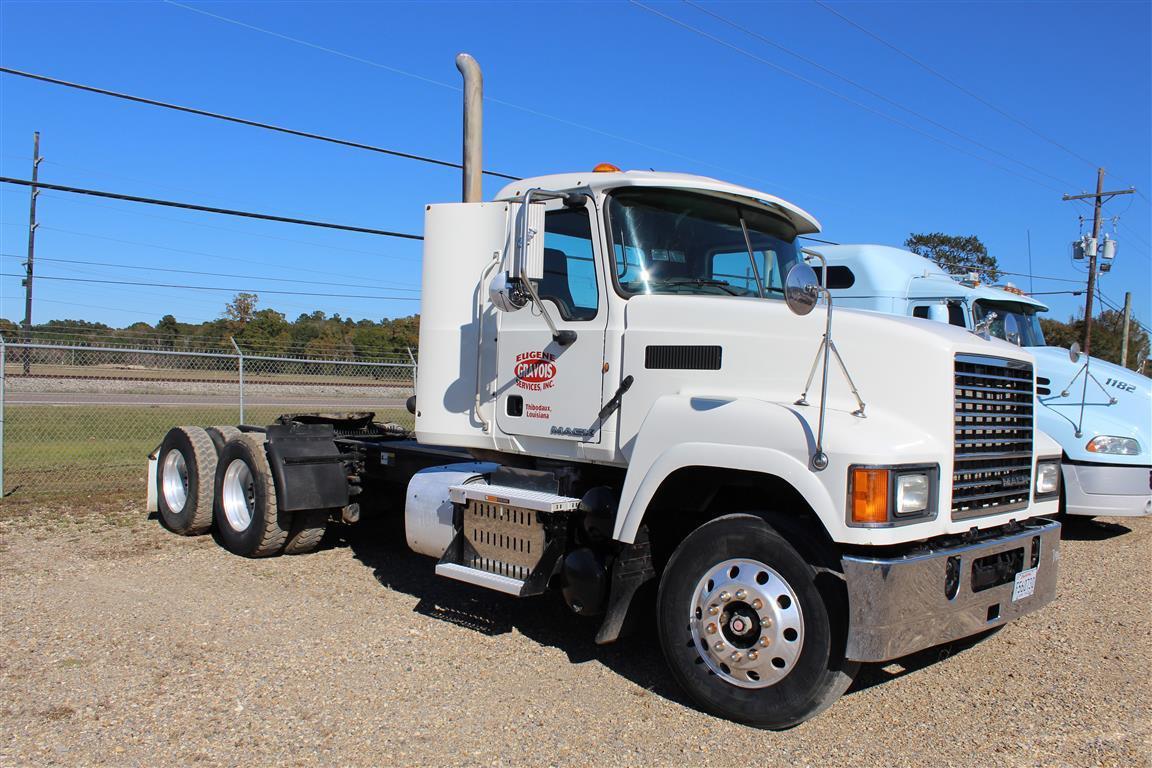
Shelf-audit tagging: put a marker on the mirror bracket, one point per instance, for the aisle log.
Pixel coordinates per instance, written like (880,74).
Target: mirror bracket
(802,293)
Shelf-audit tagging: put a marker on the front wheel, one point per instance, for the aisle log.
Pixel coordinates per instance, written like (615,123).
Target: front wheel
(745,628)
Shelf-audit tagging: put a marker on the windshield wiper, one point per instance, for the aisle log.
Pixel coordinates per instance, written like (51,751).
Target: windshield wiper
(701,281)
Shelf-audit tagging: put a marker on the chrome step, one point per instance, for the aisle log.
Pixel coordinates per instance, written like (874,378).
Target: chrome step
(538,501)
(505,584)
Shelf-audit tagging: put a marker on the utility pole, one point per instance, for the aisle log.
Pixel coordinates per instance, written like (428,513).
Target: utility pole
(1127,319)
(1099,199)
(29,265)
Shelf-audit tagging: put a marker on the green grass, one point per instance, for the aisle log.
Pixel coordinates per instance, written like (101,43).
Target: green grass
(61,450)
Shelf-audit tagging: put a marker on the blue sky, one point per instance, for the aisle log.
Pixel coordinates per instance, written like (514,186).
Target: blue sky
(569,85)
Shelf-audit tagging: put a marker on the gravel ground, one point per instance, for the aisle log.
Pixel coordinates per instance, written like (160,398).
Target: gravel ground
(125,645)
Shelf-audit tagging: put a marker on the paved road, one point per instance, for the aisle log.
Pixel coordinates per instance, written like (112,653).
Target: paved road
(202,400)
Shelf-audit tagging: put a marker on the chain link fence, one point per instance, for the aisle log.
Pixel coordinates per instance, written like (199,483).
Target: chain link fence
(81,420)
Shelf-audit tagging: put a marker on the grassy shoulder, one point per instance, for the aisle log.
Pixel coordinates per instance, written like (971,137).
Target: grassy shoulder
(56,451)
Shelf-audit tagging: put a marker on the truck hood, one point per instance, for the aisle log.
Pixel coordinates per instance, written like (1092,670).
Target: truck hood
(1129,416)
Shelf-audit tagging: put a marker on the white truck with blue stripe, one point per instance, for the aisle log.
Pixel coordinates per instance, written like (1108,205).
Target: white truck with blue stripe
(1100,413)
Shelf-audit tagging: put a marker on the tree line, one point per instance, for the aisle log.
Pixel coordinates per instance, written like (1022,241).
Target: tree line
(257,331)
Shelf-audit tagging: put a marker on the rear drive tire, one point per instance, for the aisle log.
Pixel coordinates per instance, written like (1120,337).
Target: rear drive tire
(185,473)
(248,518)
(307,531)
(221,435)
(745,629)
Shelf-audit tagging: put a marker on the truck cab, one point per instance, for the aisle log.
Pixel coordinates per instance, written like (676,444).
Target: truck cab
(1099,413)
(628,339)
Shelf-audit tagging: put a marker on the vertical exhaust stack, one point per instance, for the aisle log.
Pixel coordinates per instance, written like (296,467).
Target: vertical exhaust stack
(473,126)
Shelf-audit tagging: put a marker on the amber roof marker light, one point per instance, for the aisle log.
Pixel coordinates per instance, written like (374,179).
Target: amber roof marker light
(605,168)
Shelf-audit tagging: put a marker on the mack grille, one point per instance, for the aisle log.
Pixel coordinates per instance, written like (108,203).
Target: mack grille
(992,472)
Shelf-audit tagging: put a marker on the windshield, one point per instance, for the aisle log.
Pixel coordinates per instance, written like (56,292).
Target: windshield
(667,241)
(1017,323)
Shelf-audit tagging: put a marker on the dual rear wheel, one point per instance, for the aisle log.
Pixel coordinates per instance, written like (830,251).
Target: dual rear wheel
(222,475)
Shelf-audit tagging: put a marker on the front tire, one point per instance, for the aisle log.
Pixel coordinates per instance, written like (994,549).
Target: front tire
(184,477)
(248,518)
(745,629)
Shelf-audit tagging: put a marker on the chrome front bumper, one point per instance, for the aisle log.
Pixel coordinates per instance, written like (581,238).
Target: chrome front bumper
(898,606)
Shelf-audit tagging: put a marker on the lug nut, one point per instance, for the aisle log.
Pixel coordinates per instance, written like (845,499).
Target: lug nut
(713,610)
(725,597)
(764,641)
(718,647)
(757,604)
(741,594)
(711,628)
(753,655)
(736,656)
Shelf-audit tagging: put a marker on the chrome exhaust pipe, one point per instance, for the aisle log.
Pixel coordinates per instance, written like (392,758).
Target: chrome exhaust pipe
(473,126)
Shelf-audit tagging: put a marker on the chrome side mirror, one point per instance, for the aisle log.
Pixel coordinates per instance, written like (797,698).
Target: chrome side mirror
(1074,352)
(1011,329)
(938,313)
(506,294)
(801,289)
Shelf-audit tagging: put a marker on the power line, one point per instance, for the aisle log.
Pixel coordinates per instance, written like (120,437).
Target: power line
(204,225)
(150,268)
(200,253)
(837,94)
(952,82)
(208,209)
(1041,277)
(489,99)
(244,121)
(871,92)
(226,290)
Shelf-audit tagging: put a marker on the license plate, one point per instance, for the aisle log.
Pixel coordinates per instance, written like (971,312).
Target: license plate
(1024,585)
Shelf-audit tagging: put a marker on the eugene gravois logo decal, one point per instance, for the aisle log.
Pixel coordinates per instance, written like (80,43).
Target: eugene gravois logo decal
(535,371)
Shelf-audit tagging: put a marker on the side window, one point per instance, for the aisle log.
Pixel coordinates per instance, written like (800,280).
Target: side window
(956,314)
(920,311)
(569,264)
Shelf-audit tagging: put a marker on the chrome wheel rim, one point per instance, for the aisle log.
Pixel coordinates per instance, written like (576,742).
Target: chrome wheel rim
(746,623)
(174,481)
(238,495)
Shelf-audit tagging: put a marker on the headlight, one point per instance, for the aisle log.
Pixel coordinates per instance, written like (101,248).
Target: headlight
(1122,446)
(912,493)
(1047,478)
(887,496)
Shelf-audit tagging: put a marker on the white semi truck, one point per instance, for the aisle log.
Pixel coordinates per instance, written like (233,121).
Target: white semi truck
(1099,413)
(616,401)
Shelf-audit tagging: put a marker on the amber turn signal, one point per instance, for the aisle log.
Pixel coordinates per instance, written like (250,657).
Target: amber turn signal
(605,168)
(869,495)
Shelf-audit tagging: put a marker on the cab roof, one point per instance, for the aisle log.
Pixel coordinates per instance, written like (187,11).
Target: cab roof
(881,270)
(600,183)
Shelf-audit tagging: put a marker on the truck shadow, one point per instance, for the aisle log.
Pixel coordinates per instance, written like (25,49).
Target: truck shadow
(871,675)
(1085,529)
(546,620)
(380,545)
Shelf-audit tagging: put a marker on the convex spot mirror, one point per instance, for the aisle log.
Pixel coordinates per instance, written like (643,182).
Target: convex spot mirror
(505,293)
(1074,352)
(801,289)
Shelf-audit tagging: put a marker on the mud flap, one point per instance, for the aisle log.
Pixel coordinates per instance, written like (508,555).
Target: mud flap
(631,570)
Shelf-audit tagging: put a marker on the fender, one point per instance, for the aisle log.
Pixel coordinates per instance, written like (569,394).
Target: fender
(726,432)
